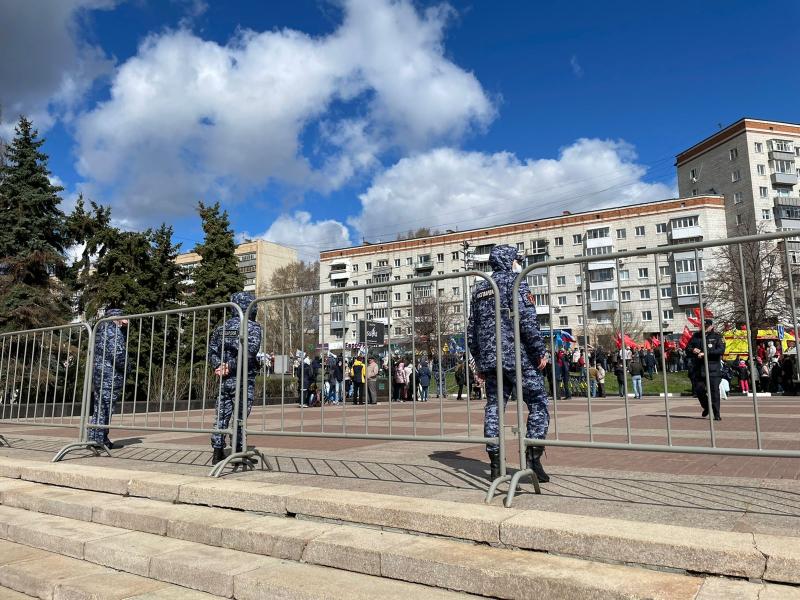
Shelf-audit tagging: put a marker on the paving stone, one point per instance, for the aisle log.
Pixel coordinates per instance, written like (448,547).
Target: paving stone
(107,586)
(717,588)
(467,521)
(279,537)
(131,552)
(206,569)
(515,574)
(295,581)
(56,534)
(11,552)
(779,592)
(783,557)
(63,502)
(9,594)
(242,495)
(353,548)
(160,486)
(39,577)
(698,550)
(137,514)
(206,525)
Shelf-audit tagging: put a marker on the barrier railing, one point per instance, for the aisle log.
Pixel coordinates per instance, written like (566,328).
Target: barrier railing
(42,376)
(155,372)
(731,292)
(288,319)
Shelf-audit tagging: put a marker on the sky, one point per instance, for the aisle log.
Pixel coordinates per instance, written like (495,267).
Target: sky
(319,124)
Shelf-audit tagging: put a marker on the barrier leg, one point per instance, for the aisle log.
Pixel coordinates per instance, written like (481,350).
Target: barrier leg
(247,460)
(3,440)
(95,447)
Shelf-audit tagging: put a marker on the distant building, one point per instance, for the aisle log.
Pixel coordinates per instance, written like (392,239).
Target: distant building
(258,261)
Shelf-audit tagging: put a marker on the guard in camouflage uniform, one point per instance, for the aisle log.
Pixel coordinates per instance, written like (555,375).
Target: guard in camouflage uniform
(223,355)
(108,374)
(505,263)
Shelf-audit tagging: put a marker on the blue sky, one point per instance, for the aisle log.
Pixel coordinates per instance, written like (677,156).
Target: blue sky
(320,123)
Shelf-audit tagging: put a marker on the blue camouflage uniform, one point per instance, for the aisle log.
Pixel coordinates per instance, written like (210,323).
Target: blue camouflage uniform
(224,347)
(108,374)
(483,346)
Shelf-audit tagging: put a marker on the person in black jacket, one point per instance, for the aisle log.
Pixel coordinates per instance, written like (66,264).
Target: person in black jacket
(709,355)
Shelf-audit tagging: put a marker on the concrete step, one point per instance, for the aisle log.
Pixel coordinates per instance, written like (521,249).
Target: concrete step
(9,594)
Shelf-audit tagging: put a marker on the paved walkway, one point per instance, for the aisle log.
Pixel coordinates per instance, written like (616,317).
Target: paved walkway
(720,492)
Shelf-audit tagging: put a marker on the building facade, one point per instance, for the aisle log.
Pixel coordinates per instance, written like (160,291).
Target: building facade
(258,261)
(755,165)
(642,281)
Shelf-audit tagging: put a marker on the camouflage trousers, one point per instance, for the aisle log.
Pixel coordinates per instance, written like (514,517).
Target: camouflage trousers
(534,396)
(102,408)
(225,412)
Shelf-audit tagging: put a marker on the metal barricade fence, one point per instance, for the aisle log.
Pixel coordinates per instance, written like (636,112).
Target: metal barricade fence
(735,284)
(290,321)
(155,373)
(42,376)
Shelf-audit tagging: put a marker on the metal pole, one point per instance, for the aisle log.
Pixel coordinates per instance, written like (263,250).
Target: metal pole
(705,347)
(553,355)
(623,352)
(661,345)
(749,346)
(584,300)
(794,304)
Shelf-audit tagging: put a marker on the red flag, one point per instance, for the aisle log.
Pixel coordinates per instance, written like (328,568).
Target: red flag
(647,345)
(685,337)
(655,341)
(618,341)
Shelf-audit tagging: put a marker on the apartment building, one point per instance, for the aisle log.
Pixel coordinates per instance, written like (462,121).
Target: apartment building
(755,165)
(258,261)
(643,282)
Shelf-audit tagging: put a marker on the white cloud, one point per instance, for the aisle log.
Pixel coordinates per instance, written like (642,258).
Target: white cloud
(577,69)
(306,236)
(450,189)
(45,70)
(189,118)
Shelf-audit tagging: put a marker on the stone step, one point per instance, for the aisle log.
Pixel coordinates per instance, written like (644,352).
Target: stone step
(181,544)
(776,558)
(27,572)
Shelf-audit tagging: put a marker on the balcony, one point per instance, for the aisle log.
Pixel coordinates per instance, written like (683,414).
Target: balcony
(340,274)
(601,264)
(383,270)
(542,309)
(602,285)
(689,277)
(787,212)
(687,254)
(784,178)
(599,242)
(423,266)
(601,305)
(688,300)
(685,233)
(781,155)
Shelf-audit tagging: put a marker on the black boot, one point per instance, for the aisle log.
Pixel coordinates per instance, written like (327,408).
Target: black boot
(494,465)
(534,454)
(219,454)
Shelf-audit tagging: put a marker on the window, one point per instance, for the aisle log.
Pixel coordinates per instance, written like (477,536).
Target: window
(368,281)
(738,219)
(355,268)
(397,312)
(396,262)
(762,169)
(354,300)
(397,277)
(536,280)
(409,277)
(759,147)
(457,308)
(766,214)
(601,275)
(580,319)
(663,271)
(577,238)
(621,234)
(440,257)
(643,273)
(562,300)
(627,317)
(595,234)
(639,230)
(598,251)
(667,314)
(456,290)
(538,250)
(738,197)
(578,299)
(780,145)
(454,255)
(559,241)
(624,275)
(603,295)
(693,174)
(762,192)
(577,279)
(647,315)
(687,289)
(409,261)
(540,299)
(368,266)
(563,321)
(666,292)
(384,262)
(397,296)
(644,294)
(683,222)
(626,295)
(733,153)
(736,176)
(782,166)
(520,246)
(694,191)
(561,280)
(687,265)
(661,228)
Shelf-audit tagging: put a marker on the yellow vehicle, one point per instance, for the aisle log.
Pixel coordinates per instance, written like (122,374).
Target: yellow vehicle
(736,342)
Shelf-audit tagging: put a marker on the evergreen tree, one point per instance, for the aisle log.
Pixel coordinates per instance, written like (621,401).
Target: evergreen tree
(32,237)
(168,283)
(217,276)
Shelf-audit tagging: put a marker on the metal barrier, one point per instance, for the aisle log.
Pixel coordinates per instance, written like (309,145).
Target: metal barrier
(42,376)
(719,297)
(166,381)
(274,413)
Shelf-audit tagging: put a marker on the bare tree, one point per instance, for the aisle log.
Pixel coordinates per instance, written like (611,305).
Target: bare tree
(765,283)
(297,318)
(432,317)
(412,234)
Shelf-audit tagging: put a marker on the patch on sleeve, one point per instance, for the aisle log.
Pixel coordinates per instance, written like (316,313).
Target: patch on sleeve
(529,299)
(485,294)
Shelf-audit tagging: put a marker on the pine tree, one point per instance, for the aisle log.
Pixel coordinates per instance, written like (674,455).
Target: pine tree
(168,284)
(217,276)
(32,237)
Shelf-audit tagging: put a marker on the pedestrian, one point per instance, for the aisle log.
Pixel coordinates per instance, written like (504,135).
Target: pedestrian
(601,381)
(400,381)
(338,374)
(506,263)
(593,380)
(710,355)
(724,388)
(649,364)
(424,379)
(461,378)
(358,377)
(562,371)
(223,353)
(411,381)
(372,381)
(619,372)
(108,374)
(636,370)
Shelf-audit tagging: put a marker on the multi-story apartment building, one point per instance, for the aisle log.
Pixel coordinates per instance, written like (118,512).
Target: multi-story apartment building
(642,283)
(755,165)
(258,261)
